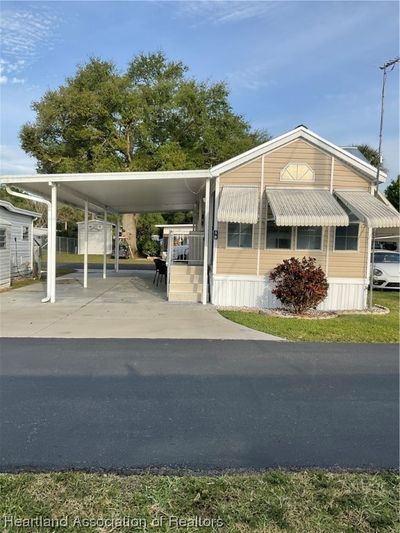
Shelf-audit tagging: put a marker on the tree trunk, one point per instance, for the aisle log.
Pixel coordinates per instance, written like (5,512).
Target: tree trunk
(129,226)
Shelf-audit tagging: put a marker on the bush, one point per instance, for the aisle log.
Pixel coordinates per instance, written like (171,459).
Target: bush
(147,246)
(299,284)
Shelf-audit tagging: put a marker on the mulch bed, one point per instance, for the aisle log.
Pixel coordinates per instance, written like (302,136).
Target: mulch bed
(312,314)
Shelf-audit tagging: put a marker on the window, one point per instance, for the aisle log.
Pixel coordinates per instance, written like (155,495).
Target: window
(25,233)
(297,172)
(240,235)
(383,257)
(309,238)
(3,238)
(346,237)
(278,236)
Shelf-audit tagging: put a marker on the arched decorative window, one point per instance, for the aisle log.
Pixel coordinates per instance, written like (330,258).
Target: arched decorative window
(297,172)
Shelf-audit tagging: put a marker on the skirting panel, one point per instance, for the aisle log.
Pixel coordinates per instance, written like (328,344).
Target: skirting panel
(251,291)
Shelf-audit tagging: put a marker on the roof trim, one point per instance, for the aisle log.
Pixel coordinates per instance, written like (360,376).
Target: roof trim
(106,176)
(300,132)
(18,210)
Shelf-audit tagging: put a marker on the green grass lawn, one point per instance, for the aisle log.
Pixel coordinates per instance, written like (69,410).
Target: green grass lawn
(299,502)
(344,328)
(97,259)
(16,284)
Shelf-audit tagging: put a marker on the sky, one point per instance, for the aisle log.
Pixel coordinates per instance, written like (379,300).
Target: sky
(286,63)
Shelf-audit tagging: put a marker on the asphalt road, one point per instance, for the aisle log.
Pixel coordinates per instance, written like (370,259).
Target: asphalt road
(206,405)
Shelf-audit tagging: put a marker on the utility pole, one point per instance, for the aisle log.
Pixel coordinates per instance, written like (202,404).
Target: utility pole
(388,66)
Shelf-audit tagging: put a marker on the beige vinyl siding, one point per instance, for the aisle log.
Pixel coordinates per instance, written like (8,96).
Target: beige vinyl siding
(342,264)
(350,264)
(248,174)
(344,177)
(241,261)
(244,261)
(297,152)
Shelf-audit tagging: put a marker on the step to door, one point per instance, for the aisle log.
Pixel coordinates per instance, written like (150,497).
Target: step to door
(185,278)
(186,269)
(185,287)
(184,297)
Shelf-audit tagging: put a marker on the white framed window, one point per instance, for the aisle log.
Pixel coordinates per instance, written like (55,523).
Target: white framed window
(309,238)
(346,237)
(278,237)
(239,235)
(3,237)
(25,233)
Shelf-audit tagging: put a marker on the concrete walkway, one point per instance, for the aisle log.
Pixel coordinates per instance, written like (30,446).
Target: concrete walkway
(125,305)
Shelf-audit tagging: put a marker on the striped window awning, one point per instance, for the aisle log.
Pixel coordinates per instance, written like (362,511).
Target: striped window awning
(239,204)
(305,207)
(369,210)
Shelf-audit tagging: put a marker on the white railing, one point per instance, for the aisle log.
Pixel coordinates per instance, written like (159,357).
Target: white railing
(185,248)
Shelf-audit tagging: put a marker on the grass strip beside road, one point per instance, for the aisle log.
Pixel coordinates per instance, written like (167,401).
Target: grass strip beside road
(304,502)
(344,328)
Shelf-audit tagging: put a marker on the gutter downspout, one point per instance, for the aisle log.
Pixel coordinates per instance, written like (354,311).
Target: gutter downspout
(41,201)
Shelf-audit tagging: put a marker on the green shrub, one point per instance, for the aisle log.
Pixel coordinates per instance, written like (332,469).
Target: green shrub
(147,246)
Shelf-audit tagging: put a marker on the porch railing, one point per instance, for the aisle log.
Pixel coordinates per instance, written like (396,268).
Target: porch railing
(185,248)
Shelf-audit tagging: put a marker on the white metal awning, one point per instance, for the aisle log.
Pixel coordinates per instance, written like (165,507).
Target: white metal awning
(305,207)
(369,210)
(239,204)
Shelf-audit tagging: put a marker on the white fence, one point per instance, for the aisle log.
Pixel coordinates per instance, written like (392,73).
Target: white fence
(185,248)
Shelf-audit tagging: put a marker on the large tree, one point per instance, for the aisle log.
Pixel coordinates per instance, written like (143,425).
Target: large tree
(370,154)
(153,116)
(392,192)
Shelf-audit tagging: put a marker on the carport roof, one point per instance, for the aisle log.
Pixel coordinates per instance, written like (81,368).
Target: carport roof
(120,192)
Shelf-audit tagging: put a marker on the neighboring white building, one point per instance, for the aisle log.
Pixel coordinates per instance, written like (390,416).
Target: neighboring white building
(5,264)
(16,242)
(96,237)
(178,229)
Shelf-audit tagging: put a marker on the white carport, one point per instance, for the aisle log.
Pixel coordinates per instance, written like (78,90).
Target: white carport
(117,193)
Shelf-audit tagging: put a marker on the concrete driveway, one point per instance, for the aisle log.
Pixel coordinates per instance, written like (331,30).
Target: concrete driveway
(125,305)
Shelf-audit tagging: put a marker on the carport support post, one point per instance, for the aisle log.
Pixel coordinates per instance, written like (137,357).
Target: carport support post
(116,251)
(105,245)
(206,236)
(53,238)
(86,247)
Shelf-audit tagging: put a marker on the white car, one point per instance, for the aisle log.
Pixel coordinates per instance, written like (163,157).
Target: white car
(386,273)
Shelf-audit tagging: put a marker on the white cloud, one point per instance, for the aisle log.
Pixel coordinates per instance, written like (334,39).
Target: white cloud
(13,160)
(223,11)
(250,79)
(3,80)
(24,34)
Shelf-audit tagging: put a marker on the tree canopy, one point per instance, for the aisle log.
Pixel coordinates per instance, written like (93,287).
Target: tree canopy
(153,116)
(370,154)
(392,192)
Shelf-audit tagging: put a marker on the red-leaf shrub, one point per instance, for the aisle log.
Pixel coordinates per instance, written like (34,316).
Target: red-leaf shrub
(299,284)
